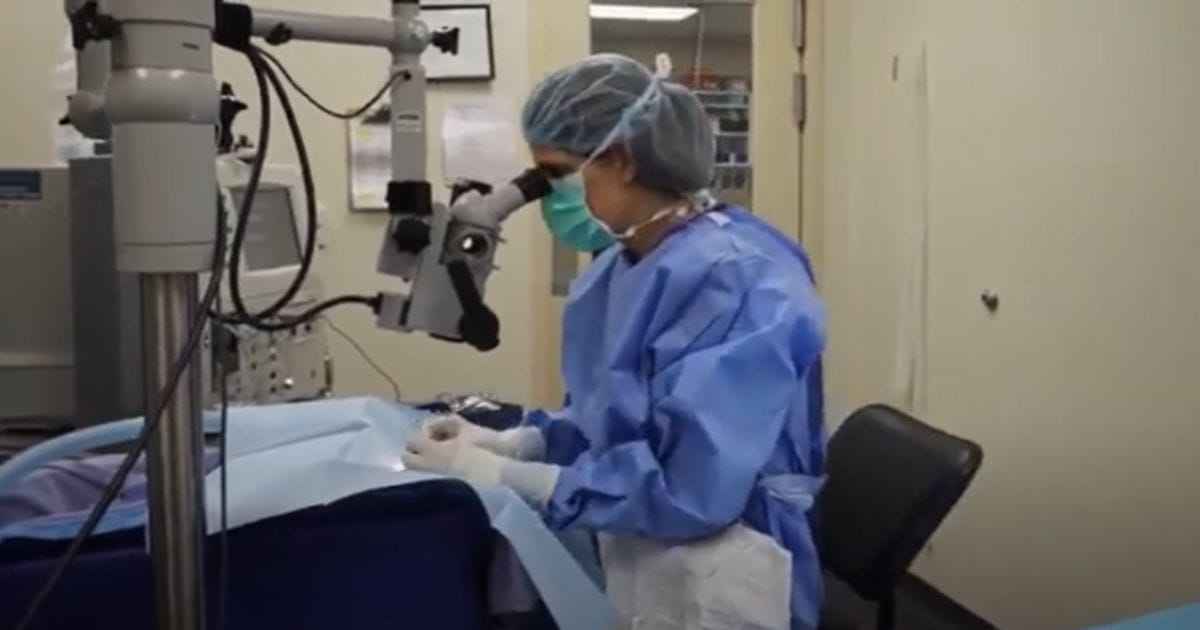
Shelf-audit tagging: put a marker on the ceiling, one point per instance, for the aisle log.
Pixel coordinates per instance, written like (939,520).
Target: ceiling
(728,20)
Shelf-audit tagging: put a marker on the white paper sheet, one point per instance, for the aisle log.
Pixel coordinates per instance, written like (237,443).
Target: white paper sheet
(370,161)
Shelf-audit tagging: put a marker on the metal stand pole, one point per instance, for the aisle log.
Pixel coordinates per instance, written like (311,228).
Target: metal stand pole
(176,497)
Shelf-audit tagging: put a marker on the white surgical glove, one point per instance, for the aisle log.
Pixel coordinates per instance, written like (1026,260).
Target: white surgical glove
(458,457)
(524,443)
(455,456)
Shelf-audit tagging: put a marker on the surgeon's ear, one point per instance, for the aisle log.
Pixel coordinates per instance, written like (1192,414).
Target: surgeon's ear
(618,159)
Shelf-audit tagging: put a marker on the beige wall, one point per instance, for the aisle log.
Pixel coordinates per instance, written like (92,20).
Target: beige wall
(33,38)
(343,76)
(565,37)
(1062,146)
(774,132)
(812,164)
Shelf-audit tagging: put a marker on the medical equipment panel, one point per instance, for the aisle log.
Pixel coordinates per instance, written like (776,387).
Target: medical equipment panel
(261,367)
(35,319)
(268,366)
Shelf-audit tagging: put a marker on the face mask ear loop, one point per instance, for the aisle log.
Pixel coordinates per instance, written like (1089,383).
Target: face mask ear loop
(685,210)
(702,200)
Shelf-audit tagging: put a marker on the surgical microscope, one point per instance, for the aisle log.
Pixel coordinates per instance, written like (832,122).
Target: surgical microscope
(145,82)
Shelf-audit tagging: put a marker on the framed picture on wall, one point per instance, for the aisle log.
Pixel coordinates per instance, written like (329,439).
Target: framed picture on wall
(475,60)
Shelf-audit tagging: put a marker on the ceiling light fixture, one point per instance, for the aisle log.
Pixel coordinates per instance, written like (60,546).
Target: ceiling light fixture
(641,13)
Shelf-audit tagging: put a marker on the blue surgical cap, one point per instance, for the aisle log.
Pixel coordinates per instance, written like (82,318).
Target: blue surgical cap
(611,100)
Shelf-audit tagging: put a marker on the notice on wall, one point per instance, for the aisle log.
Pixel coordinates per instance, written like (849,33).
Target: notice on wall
(370,160)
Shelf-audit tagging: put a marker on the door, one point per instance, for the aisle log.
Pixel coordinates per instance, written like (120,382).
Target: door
(1060,143)
(862,185)
(1066,147)
(775,128)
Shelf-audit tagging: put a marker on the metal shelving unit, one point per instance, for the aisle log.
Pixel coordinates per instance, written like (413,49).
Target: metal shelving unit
(729,111)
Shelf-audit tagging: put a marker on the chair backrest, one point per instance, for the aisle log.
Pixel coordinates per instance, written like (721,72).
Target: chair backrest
(891,481)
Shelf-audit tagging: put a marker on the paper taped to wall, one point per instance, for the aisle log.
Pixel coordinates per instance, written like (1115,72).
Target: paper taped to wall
(370,159)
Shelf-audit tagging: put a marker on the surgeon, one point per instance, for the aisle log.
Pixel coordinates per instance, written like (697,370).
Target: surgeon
(692,440)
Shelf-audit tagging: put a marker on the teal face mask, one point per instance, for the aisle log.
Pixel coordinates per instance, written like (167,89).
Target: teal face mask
(567,215)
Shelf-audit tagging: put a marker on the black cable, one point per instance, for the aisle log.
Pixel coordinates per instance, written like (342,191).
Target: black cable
(263,74)
(310,193)
(372,301)
(269,319)
(247,205)
(362,352)
(223,447)
(150,425)
(329,111)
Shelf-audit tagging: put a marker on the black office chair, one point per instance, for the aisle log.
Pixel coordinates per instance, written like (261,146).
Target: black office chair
(891,481)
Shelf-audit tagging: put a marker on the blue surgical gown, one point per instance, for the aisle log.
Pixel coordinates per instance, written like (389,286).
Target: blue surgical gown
(694,385)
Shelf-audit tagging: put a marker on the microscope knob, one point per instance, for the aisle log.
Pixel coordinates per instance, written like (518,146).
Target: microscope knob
(88,24)
(481,329)
(230,108)
(479,326)
(446,40)
(411,236)
(464,186)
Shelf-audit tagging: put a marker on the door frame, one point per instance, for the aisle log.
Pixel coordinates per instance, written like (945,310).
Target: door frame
(812,140)
(775,127)
(564,35)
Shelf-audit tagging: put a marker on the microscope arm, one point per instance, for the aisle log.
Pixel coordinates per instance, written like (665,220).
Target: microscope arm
(280,26)
(445,254)
(493,209)
(85,108)
(434,248)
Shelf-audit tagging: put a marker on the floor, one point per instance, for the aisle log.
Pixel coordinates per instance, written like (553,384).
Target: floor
(919,607)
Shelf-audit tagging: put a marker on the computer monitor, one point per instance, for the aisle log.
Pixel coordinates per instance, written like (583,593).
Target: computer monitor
(282,365)
(272,240)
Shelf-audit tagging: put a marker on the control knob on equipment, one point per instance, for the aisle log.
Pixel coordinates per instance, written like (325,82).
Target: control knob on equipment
(411,236)
(446,40)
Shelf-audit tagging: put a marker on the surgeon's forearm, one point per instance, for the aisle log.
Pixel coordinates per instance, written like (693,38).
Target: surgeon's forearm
(564,441)
(627,489)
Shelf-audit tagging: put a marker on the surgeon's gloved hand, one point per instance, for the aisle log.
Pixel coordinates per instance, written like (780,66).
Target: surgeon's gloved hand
(455,456)
(474,464)
(524,443)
